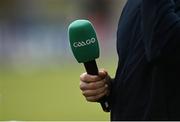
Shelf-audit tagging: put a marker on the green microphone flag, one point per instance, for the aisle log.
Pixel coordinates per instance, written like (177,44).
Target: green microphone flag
(83,41)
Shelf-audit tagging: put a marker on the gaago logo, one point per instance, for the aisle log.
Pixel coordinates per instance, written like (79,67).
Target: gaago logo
(84,43)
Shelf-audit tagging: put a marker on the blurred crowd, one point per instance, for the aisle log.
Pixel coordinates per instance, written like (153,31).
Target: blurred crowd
(36,30)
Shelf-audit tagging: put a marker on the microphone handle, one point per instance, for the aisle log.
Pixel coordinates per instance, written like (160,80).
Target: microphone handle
(92,69)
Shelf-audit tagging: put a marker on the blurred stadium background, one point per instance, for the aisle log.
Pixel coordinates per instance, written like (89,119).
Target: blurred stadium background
(39,77)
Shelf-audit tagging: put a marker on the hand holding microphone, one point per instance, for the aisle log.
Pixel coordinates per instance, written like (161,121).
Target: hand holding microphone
(85,47)
(95,87)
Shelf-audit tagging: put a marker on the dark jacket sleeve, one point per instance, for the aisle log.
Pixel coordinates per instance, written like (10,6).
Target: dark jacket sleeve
(161,28)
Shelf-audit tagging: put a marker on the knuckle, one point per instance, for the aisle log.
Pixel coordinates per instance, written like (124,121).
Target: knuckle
(90,99)
(81,86)
(83,76)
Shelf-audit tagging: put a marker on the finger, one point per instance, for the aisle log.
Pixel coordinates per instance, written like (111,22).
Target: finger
(92,85)
(89,78)
(88,93)
(103,73)
(96,98)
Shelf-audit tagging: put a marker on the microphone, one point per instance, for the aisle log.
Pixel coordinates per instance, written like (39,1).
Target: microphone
(85,47)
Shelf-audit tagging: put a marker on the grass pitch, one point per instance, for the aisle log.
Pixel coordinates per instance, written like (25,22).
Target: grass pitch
(47,93)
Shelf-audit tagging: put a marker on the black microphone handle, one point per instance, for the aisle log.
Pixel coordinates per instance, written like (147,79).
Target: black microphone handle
(92,69)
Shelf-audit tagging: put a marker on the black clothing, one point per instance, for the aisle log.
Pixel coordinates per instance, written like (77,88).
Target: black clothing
(147,82)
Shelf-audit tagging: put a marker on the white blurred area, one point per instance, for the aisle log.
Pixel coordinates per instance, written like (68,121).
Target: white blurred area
(35,31)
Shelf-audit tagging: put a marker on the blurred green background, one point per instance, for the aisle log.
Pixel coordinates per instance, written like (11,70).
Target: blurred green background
(39,77)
